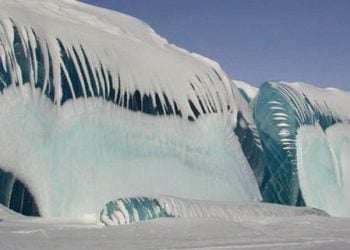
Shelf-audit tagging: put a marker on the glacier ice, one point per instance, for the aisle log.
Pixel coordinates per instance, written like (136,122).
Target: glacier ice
(131,210)
(95,105)
(104,150)
(281,111)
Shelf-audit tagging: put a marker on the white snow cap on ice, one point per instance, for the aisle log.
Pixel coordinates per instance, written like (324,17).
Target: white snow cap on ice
(250,90)
(124,46)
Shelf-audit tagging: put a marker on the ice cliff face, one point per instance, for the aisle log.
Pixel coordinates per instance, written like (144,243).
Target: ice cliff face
(95,106)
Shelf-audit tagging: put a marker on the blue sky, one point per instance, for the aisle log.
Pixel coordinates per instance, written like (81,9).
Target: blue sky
(256,40)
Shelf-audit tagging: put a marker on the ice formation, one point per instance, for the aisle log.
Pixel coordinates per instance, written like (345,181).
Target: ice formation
(284,113)
(131,210)
(95,105)
(323,165)
(247,91)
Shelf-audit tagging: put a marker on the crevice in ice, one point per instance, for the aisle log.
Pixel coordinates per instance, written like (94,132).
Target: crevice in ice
(247,136)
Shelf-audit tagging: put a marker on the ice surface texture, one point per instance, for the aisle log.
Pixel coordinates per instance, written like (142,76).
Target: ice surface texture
(131,210)
(323,165)
(282,110)
(95,105)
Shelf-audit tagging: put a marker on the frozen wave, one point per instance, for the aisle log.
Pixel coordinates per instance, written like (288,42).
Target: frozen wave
(96,105)
(131,210)
(76,158)
(280,109)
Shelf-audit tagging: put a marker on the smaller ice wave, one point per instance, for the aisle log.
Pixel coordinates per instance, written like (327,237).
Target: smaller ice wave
(131,210)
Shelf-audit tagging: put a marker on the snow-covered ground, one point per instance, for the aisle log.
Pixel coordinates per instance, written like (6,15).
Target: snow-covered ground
(291,232)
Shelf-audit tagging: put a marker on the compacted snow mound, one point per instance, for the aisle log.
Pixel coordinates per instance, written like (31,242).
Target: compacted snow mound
(131,210)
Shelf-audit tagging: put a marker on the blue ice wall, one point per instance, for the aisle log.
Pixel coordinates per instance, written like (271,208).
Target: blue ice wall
(91,111)
(88,137)
(280,110)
